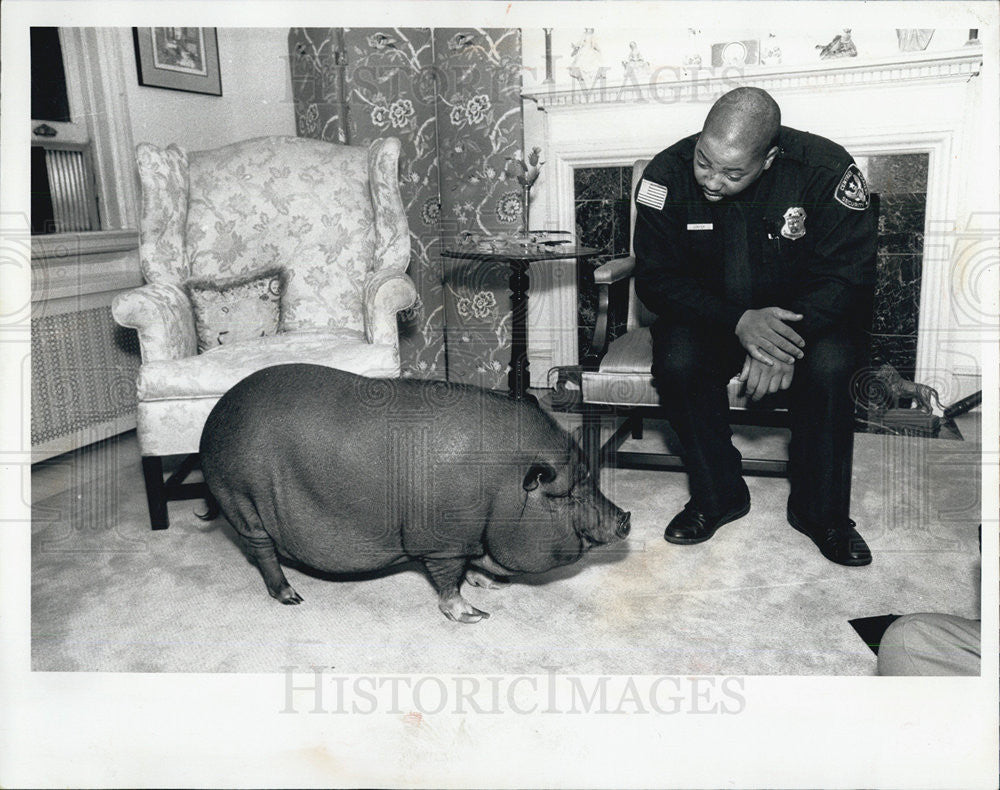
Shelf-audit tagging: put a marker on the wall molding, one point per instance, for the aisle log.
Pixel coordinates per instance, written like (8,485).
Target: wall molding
(83,437)
(64,246)
(101,66)
(76,268)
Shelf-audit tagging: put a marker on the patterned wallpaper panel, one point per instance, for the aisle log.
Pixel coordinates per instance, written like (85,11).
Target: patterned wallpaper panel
(318,83)
(388,94)
(452,98)
(353,85)
(479,126)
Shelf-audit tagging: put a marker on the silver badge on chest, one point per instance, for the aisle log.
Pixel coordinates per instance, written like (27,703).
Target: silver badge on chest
(795,223)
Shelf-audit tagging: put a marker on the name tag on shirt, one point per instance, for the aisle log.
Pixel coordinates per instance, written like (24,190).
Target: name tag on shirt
(700,226)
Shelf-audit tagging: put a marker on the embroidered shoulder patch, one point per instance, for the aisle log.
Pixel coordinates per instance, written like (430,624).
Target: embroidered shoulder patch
(651,194)
(852,191)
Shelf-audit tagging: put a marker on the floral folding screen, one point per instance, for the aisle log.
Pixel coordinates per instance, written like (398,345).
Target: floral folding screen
(452,97)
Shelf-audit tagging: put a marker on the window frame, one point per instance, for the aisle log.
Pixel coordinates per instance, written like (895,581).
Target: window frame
(93,59)
(75,131)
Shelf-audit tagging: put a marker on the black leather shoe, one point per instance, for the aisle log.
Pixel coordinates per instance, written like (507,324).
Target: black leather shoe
(692,526)
(840,544)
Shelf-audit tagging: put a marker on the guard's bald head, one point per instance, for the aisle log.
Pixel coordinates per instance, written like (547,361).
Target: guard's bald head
(738,142)
(744,118)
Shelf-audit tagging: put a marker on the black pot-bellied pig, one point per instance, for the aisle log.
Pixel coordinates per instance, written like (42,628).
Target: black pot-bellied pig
(350,474)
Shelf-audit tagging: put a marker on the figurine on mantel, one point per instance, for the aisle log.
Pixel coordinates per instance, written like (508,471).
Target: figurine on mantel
(587,62)
(912,39)
(840,47)
(770,54)
(637,68)
(693,55)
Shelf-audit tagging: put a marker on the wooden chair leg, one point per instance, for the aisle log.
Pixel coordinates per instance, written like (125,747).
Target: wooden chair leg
(592,442)
(636,427)
(156,491)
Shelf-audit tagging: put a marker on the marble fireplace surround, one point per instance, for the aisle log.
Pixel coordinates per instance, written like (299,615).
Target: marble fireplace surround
(912,103)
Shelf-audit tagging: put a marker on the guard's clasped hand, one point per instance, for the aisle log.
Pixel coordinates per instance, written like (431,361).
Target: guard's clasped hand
(766,336)
(761,379)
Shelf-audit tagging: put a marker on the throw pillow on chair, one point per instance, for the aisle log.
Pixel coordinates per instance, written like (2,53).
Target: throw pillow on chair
(244,307)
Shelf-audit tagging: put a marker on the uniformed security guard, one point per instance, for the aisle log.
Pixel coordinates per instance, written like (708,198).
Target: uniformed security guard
(755,247)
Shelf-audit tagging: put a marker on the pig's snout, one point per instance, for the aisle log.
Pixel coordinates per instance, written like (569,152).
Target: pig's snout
(624,524)
(614,524)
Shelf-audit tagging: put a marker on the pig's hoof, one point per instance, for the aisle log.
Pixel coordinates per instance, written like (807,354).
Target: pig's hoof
(461,611)
(287,595)
(480,579)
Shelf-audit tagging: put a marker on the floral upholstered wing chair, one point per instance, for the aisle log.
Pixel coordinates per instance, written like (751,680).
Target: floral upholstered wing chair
(328,217)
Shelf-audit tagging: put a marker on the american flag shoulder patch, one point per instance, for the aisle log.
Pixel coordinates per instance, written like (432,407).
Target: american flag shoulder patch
(651,194)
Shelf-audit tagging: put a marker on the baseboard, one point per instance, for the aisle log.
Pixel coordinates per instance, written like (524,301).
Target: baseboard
(85,436)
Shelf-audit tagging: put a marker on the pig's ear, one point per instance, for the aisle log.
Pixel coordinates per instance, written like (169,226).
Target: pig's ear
(539,472)
(554,480)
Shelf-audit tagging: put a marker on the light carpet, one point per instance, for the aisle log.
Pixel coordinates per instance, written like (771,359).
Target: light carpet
(758,599)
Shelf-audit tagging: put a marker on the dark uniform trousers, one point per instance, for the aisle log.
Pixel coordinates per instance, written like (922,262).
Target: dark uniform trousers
(691,368)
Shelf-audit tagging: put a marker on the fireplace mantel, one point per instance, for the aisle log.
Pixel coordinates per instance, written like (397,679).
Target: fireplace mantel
(915,102)
(674,84)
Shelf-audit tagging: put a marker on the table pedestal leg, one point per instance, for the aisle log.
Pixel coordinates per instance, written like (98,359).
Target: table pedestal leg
(518,378)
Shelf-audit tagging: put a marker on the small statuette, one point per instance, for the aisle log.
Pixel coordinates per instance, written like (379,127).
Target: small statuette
(529,172)
(587,62)
(913,39)
(692,57)
(840,47)
(770,54)
(636,68)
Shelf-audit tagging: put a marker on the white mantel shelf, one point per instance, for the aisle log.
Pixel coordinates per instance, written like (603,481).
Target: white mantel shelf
(673,84)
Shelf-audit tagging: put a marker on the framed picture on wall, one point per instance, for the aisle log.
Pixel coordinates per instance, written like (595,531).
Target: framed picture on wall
(178,58)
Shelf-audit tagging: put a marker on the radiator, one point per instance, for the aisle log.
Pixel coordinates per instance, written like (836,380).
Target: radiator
(63,196)
(69,185)
(83,373)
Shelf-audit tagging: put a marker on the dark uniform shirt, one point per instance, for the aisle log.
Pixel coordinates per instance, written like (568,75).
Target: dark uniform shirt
(810,238)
